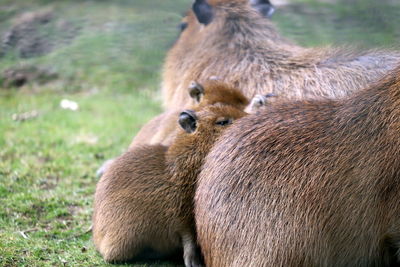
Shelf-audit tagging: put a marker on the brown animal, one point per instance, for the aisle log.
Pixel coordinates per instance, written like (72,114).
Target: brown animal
(307,183)
(233,40)
(162,128)
(143,204)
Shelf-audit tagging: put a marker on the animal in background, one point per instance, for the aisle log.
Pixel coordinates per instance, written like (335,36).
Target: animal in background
(235,41)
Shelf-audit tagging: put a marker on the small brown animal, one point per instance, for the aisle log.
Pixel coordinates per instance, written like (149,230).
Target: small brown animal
(233,40)
(144,201)
(306,183)
(162,128)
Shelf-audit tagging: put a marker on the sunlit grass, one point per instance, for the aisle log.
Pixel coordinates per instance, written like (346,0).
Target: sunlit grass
(47,171)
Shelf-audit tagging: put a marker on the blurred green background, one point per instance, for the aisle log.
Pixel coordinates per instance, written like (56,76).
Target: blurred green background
(107,57)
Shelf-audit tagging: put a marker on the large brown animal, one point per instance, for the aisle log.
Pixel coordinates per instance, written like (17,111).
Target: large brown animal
(144,201)
(307,183)
(233,40)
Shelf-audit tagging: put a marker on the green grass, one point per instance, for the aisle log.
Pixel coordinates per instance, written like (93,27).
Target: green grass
(47,171)
(111,68)
(364,23)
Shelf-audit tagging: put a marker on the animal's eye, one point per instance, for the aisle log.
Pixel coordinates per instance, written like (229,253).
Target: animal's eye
(223,122)
(182,26)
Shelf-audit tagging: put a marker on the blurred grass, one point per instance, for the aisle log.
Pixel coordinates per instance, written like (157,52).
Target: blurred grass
(111,68)
(362,23)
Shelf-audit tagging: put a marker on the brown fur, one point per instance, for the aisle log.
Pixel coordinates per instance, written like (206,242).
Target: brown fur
(244,49)
(308,183)
(145,198)
(161,129)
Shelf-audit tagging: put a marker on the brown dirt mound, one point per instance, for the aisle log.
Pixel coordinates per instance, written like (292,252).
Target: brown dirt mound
(19,76)
(38,33)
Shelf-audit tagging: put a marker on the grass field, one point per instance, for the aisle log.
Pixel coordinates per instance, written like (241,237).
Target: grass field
(107,57)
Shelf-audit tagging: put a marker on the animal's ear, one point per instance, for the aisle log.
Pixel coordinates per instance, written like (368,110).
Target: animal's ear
(264,7)
(187,120)
(257,102)
(261,100)
(203,11)
(196,91)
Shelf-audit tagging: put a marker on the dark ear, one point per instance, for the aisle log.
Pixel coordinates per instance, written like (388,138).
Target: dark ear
(264,7)
(203,11)
(187,120)
(196,91)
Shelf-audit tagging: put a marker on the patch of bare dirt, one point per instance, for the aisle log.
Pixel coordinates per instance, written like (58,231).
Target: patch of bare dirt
(37,33)
(49,183)
(75,209)
(22,75)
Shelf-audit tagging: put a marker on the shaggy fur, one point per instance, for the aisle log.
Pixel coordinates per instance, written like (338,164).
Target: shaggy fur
(162,129)
(308,183)
(243,48)
(144,200)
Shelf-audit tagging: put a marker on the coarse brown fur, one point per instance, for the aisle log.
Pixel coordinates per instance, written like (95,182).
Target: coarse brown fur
(162,128)
(243,48)
(307,183)
(144,200)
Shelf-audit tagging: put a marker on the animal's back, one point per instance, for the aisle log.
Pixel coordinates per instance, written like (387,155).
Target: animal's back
(135,188)
(288,187)
(159,130)
(244,49)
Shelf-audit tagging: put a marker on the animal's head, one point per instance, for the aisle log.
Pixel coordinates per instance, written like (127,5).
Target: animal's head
(204,10)
(208,122)
(213,91)
(207,12)
(201,127)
